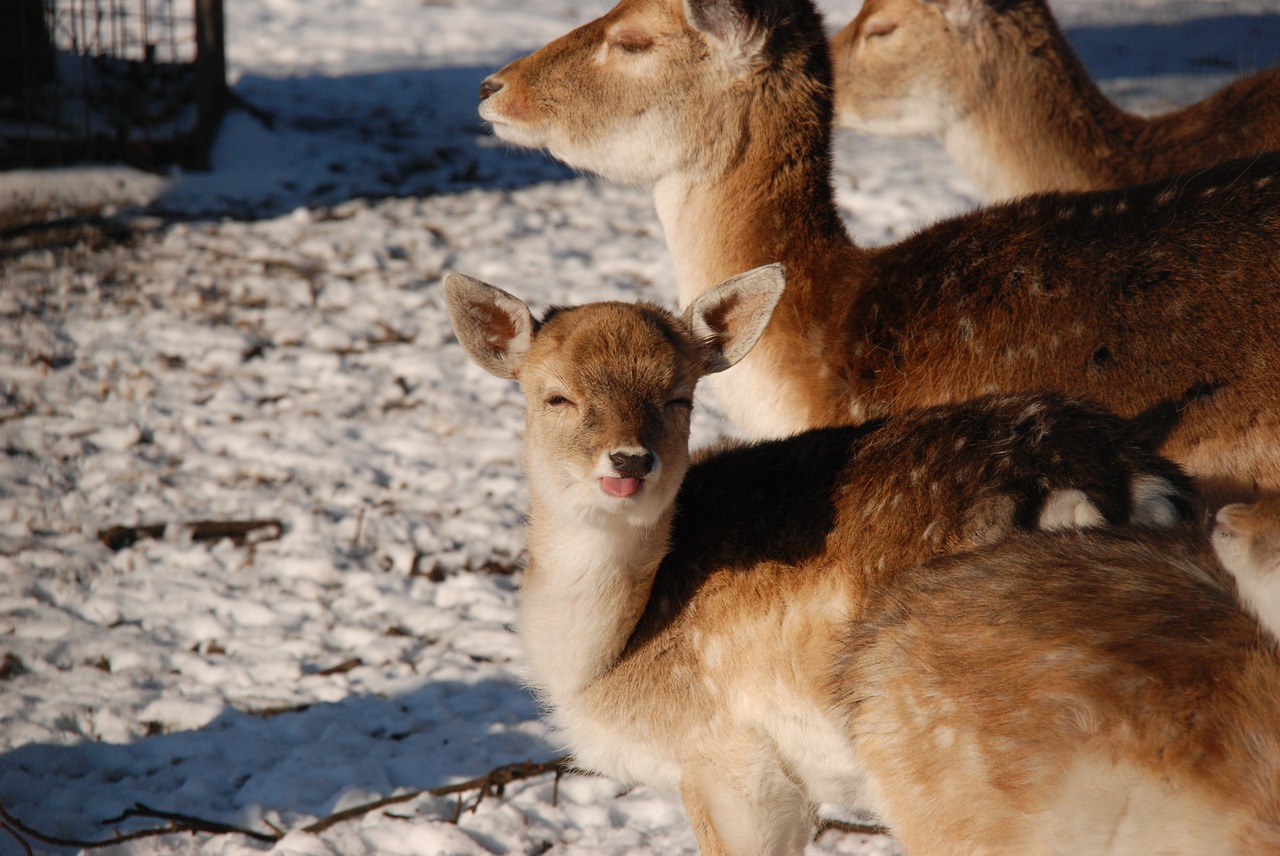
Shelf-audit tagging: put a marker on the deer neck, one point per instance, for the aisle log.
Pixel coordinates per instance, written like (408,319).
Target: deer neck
(1042,123)
(769,199)
(586,586)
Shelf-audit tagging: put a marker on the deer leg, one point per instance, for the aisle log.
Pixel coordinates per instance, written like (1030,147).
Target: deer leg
(742,803)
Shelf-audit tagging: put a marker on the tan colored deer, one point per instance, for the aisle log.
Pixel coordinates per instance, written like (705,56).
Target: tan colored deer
(1247,541)
(999,84)
(748,631)
(1158,300)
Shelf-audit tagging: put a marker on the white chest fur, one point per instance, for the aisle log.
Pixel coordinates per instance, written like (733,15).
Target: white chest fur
(751,395)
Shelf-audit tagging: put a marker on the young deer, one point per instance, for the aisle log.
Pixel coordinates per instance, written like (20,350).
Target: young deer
(1002,88)
(1157,300)
(1247,541)
(745,630)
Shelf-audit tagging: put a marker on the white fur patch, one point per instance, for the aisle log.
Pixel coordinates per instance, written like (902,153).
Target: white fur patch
(576,600)
(1106,809)
(967,146)
(508,131)
(638,150)
(1069,509)
(750,394)
(924,112)
(1257,585)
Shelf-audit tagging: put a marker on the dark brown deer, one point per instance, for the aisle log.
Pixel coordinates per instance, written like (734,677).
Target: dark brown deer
(1159,300)
(1002,88)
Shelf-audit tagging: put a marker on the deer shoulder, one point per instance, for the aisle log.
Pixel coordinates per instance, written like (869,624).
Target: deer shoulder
(1155,301)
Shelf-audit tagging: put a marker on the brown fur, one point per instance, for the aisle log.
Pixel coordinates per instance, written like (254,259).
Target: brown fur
(1002,76)
(1156,300)
(1121,646)
(761,643)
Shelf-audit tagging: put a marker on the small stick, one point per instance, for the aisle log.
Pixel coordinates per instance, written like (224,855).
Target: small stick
(851,826)
(355,539)
(192,824)
(188,823)
(26,848)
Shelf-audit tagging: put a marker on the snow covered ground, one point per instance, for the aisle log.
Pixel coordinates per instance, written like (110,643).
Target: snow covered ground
(268,343)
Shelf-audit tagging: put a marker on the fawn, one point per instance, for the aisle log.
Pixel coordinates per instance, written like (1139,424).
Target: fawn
(1157,300)
(1247,541)
(746,629)
(1014,106)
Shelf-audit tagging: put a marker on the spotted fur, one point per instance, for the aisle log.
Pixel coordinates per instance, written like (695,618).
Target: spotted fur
(1155,300)
(699,634)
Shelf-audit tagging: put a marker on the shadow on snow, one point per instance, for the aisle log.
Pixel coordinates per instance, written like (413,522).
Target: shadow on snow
(1229,45)
(319,141)
(299,763)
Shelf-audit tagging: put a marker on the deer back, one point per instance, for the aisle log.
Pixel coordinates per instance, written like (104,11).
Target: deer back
(1152,300)
(790,539)
(1111,296)
(1094,692)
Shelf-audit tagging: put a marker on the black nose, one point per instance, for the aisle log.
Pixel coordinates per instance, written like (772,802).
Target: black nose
(489,87)
(632,466)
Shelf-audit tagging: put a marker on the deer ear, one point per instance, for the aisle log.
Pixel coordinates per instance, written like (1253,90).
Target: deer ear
(495,328)
(959,12)
(729,319)
(739,36)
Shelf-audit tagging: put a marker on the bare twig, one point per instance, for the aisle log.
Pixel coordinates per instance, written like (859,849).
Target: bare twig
(355,539)
(239,531)
(356,811)
(191,824)
(26,848)
(344,666)
(850,826)
(491,783)
(13,825)
(494,778)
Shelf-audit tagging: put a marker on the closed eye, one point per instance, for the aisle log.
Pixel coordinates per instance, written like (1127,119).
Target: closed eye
(631,43)
(683,403)
(878,28)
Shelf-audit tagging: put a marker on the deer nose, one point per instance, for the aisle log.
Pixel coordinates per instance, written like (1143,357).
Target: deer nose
(632,466)
(489,87)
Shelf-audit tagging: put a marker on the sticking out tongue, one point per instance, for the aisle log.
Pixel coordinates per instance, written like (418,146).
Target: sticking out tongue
(620,487)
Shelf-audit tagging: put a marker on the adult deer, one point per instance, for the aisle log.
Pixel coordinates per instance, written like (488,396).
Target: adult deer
(1016,109)
(1159,299)
(747,630)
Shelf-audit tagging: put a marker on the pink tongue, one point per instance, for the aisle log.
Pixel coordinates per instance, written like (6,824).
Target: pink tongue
(620,487)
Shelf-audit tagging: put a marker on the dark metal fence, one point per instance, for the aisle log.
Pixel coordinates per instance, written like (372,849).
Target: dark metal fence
(137,81)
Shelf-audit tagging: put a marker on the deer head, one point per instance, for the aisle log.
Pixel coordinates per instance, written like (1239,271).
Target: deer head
(609,386)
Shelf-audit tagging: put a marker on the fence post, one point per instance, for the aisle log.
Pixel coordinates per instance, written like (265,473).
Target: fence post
(211,81)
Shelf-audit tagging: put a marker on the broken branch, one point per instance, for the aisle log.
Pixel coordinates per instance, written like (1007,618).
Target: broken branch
(498,777)
(493,781)
(241,532)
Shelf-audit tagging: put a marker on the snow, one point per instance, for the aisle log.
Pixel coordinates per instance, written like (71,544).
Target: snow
(270,344)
